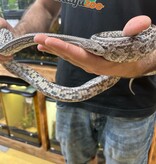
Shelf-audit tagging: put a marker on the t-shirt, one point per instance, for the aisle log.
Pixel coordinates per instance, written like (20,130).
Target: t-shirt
(83,19)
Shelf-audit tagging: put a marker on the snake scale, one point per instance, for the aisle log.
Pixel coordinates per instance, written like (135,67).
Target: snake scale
(110,45)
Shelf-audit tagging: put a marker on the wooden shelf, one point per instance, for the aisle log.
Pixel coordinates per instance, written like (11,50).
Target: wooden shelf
(46,71)
(43,151)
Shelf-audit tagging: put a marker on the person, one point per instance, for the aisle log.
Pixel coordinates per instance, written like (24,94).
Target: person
(121,121)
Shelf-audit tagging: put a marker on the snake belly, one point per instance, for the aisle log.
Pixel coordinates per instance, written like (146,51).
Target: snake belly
(110,45)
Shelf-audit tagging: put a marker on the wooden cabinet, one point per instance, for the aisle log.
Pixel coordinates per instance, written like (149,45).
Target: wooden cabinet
(42,151)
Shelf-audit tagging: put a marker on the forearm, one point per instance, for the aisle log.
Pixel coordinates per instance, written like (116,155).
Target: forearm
(133,69)
(147,64)
(136,69)
(37,18)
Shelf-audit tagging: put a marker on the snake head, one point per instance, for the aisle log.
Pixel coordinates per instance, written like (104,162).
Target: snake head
(93,47)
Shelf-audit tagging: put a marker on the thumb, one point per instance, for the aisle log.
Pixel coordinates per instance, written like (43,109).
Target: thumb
(5,24)
(136,25)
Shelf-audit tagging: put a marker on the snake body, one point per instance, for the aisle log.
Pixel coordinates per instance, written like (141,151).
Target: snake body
(110,45)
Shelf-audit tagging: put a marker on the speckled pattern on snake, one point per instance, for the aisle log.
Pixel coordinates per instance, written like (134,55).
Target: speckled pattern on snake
(110,45)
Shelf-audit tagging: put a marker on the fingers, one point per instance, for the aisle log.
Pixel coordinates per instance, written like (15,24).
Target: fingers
(48,45)
(68,52)
(5,24)
(136,25)
(40,39)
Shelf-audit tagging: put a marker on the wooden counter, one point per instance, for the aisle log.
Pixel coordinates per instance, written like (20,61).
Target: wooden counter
(46,71)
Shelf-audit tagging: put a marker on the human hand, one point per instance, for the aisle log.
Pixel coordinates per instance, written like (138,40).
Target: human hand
(5,24)
(92,63)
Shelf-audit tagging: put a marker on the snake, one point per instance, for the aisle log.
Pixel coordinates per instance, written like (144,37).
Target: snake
(110,45)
